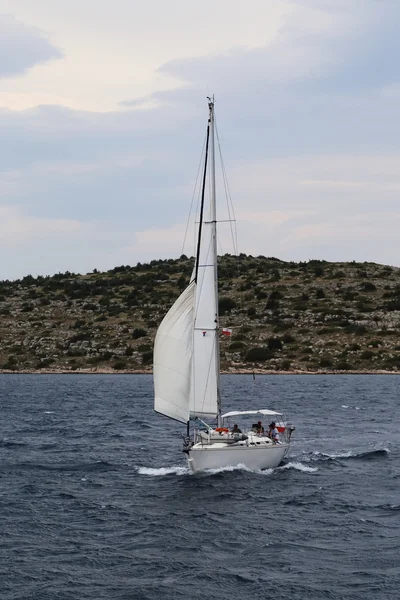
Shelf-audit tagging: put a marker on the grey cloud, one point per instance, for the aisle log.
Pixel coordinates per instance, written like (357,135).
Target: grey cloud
(360,52)
(304,95)
(22,47)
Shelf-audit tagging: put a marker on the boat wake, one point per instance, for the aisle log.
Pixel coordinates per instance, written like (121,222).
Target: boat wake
(239,467)
(175,470)
(152,472)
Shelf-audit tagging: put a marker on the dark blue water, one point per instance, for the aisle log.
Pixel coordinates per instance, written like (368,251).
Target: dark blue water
(96,501)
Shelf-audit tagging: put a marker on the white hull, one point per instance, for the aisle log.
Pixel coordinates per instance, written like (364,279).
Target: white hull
(214,457)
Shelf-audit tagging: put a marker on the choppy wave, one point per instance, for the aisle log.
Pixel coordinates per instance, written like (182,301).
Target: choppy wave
(98,466)
(374,454)
(101,489)
(299,467)
(390,507)
(11,444)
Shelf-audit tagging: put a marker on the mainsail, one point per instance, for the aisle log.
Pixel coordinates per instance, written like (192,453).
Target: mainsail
(204,388)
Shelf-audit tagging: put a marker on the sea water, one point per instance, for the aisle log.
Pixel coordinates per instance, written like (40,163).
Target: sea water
(96,501)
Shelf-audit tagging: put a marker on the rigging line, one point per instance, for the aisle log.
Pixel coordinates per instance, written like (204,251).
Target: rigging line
(233,227)
(227,194)
(229,203)
(233,223)
(193,195)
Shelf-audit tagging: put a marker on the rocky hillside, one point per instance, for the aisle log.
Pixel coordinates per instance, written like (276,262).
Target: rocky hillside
(314,316)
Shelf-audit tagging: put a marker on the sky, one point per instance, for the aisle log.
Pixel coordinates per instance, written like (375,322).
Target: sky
(103,113)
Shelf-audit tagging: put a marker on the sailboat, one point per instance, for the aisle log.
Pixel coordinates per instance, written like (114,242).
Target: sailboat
(186,362)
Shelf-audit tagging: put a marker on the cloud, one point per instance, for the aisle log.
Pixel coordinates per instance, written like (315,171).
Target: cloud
(22,47)
(17,228)
(308,128)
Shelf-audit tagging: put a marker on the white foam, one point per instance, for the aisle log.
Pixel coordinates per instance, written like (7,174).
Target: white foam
(163,471)
(49,412)
(299,467)
(340,455)
(345,406)
(239,467)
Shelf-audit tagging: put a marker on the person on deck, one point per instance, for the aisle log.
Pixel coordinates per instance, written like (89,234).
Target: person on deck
(260,428)
(273,433)
(236,429)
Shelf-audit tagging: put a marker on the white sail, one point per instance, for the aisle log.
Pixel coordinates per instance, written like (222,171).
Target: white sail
(203,401)
(186,350)
(172,363)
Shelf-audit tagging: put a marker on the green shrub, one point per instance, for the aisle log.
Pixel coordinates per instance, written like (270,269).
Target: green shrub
(144,347)
(283,327)
(343,365)
(326,330)
(27,307)
(275,295)
(235,346)
(258,353)
(288,338)
(44,363)
(93,360)
(225,305)
(354,347)
(119,365)
(260,294)
(275,276)
(272,304)
(138,333)
(78,324)
(349,295)
(11,364)
(318,271)
(147,357)
(274,343)
(286,364)
(368,286)
(325,361)
(376,343)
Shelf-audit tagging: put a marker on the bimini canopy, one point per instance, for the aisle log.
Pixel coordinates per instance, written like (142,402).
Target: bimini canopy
(261,411)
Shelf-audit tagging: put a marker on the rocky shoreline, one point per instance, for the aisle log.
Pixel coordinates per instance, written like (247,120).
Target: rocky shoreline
(226,372)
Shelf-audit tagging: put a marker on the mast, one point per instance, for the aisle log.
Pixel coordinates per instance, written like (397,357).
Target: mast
(213,219)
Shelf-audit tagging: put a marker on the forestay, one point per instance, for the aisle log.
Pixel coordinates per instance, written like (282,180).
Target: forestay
(172,364)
